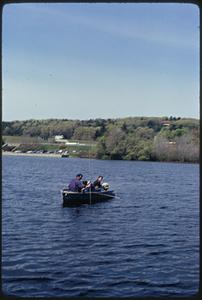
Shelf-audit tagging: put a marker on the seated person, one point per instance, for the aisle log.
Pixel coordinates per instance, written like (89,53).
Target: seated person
(87,186)
(76,184)
(97,184)
(85,182)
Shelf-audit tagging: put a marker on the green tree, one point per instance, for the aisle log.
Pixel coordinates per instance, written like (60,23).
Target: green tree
(179,132)
(101,151)
(115,145)
(84,133)
(144,133)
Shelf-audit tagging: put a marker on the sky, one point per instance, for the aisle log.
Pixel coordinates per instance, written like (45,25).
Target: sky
(85,60)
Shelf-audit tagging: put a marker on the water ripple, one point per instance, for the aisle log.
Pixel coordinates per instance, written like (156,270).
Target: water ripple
(143,243)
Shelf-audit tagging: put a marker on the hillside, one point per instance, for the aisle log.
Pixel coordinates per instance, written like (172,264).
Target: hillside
(132,138)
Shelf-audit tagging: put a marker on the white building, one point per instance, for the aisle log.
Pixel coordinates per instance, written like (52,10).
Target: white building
(72,143)
(59,138)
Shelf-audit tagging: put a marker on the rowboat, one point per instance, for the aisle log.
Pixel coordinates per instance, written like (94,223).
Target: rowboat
(75,198)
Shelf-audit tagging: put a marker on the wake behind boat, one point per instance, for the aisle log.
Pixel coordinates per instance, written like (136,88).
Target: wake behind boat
(76,198)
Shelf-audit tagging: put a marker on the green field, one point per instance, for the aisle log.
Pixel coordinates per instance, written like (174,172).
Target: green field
(21,139)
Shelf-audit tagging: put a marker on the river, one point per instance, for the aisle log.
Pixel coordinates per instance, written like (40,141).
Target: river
(145,242)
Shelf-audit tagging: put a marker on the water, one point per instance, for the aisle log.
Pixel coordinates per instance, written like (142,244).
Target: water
(143,243)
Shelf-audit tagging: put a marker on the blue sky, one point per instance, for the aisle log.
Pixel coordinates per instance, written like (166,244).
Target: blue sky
(81,61)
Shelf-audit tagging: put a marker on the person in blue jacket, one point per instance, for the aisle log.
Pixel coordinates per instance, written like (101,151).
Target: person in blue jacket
(76,185)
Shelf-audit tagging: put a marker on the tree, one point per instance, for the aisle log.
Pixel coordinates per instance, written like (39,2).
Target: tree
(144,151)
(115,145)
(186,150)
(44,133)
(131,147)
(84,133)
(144,133)
(7,131)
(179,132)
(160,148)
(101,151)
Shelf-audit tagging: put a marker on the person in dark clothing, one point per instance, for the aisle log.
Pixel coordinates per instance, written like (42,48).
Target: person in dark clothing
(76,184)
(97,184)
(87,186)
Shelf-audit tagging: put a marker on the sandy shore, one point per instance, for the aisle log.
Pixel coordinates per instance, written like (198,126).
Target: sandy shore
(31,154)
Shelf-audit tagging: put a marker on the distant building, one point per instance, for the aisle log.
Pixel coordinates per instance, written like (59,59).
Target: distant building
(171,143)
(72,143)
(59,138)
(75,143)
(165,123)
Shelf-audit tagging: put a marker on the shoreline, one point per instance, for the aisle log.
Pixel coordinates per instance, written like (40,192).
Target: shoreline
(31,154)
(55,155)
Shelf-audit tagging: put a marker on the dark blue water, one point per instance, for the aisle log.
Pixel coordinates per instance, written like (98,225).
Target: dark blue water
(143,243)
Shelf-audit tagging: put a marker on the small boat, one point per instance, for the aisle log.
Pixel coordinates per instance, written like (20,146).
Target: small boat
(65,154)
(75,198)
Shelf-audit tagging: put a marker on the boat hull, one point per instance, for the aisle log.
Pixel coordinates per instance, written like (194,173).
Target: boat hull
(73,198)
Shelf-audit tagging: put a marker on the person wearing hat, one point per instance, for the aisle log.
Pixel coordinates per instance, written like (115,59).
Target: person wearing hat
(76,185)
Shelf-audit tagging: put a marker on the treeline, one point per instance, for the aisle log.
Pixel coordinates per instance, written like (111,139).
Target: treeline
(132,138)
